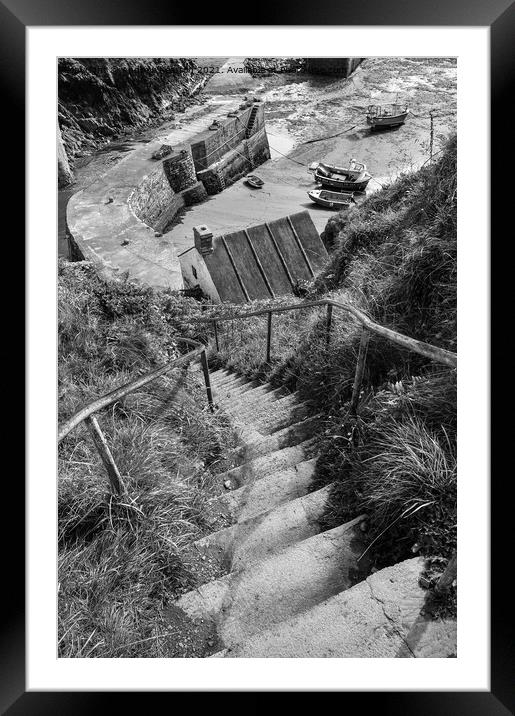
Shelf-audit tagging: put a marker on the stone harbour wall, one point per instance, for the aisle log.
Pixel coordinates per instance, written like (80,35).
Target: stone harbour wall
(239,161)
(180,170)
(212,145)
(163,193)
(153,199)
(188,175)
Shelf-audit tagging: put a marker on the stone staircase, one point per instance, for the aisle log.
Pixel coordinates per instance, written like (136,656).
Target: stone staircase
(221,179)
(292,590)
(250,123)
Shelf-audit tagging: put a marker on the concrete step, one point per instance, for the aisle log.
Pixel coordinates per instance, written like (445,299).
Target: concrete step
(244,396)
(268,464)
(377,618)
(230,384)
(226,376)
(275,589)
(255,538)
(264,494)
(287,437)
(219,375)
(277,419)
(229,395)
(263,406)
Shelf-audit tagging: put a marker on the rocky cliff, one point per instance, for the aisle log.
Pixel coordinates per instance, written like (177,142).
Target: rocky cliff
(100,99)
(340,66)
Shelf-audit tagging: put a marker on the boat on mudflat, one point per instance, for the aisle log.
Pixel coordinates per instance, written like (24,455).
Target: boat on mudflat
(352,178)
(332,199)
(386,115)
(254,181)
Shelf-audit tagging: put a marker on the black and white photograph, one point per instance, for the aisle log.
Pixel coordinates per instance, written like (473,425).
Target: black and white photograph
(257,357)
(257,366)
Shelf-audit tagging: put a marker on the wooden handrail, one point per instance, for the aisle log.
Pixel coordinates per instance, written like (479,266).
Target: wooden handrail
(426,349)
(120,392)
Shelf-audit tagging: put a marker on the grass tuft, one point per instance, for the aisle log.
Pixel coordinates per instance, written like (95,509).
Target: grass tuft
(123,559)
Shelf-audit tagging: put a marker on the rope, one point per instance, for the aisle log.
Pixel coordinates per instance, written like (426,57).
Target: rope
(287,157)
(330,136)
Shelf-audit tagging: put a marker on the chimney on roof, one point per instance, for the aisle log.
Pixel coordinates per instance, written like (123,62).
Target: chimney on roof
(203,240)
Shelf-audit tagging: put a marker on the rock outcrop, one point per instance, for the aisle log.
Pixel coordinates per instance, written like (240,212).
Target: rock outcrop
(64,173)
(101,99)
(339,66)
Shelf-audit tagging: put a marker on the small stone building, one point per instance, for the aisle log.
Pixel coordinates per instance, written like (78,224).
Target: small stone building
(263,261)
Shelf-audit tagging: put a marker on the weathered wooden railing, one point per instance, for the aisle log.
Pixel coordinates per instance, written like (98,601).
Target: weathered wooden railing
(87,414)
(440,355)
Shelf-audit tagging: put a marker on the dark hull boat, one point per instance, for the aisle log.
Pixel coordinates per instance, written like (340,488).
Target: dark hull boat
(254,181)
(331,199)
(386,116)
(352,178)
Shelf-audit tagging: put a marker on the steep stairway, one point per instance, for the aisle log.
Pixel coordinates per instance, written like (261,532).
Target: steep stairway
(250,123)
(291,589)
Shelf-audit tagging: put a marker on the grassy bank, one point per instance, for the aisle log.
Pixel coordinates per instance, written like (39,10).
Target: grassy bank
(395,259)
(123,559)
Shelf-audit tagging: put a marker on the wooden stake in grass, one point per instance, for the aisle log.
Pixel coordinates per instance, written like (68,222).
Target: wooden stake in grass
(103,450)
(431,135)
(360,369)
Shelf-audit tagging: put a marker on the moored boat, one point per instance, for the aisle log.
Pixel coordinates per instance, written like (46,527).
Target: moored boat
(386,115)
(352,178)
(332,199)
(254,181)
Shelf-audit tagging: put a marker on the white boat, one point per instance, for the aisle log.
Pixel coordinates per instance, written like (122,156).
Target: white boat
(332,199)
(354,177)
(386,115)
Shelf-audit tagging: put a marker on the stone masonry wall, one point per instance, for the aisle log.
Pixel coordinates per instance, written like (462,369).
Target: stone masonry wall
(180,170)
(212,145)
(152,198)
(236,163)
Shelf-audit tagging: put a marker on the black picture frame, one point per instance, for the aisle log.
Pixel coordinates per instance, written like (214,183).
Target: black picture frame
(499,15)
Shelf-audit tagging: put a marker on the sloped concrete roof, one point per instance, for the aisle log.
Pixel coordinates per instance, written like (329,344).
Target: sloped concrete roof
(266,260)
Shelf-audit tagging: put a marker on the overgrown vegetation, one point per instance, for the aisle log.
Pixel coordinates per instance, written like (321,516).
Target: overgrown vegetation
(122,559)
(395,259)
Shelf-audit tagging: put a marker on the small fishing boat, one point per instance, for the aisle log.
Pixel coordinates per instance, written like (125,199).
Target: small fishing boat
(352,178)
(332,199)
(254,181)
(386,115)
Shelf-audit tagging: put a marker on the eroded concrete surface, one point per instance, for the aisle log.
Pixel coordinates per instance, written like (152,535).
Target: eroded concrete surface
(378,618)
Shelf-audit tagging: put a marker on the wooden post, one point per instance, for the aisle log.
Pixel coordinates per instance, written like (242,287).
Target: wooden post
(448,575)
(101,445)
(205,370)
(269,337)
(431,136)
(360,369)
(215,327)
(328,323)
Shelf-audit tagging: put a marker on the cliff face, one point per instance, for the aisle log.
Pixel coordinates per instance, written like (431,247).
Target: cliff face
(101,98)
(64,173)
(340,66)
